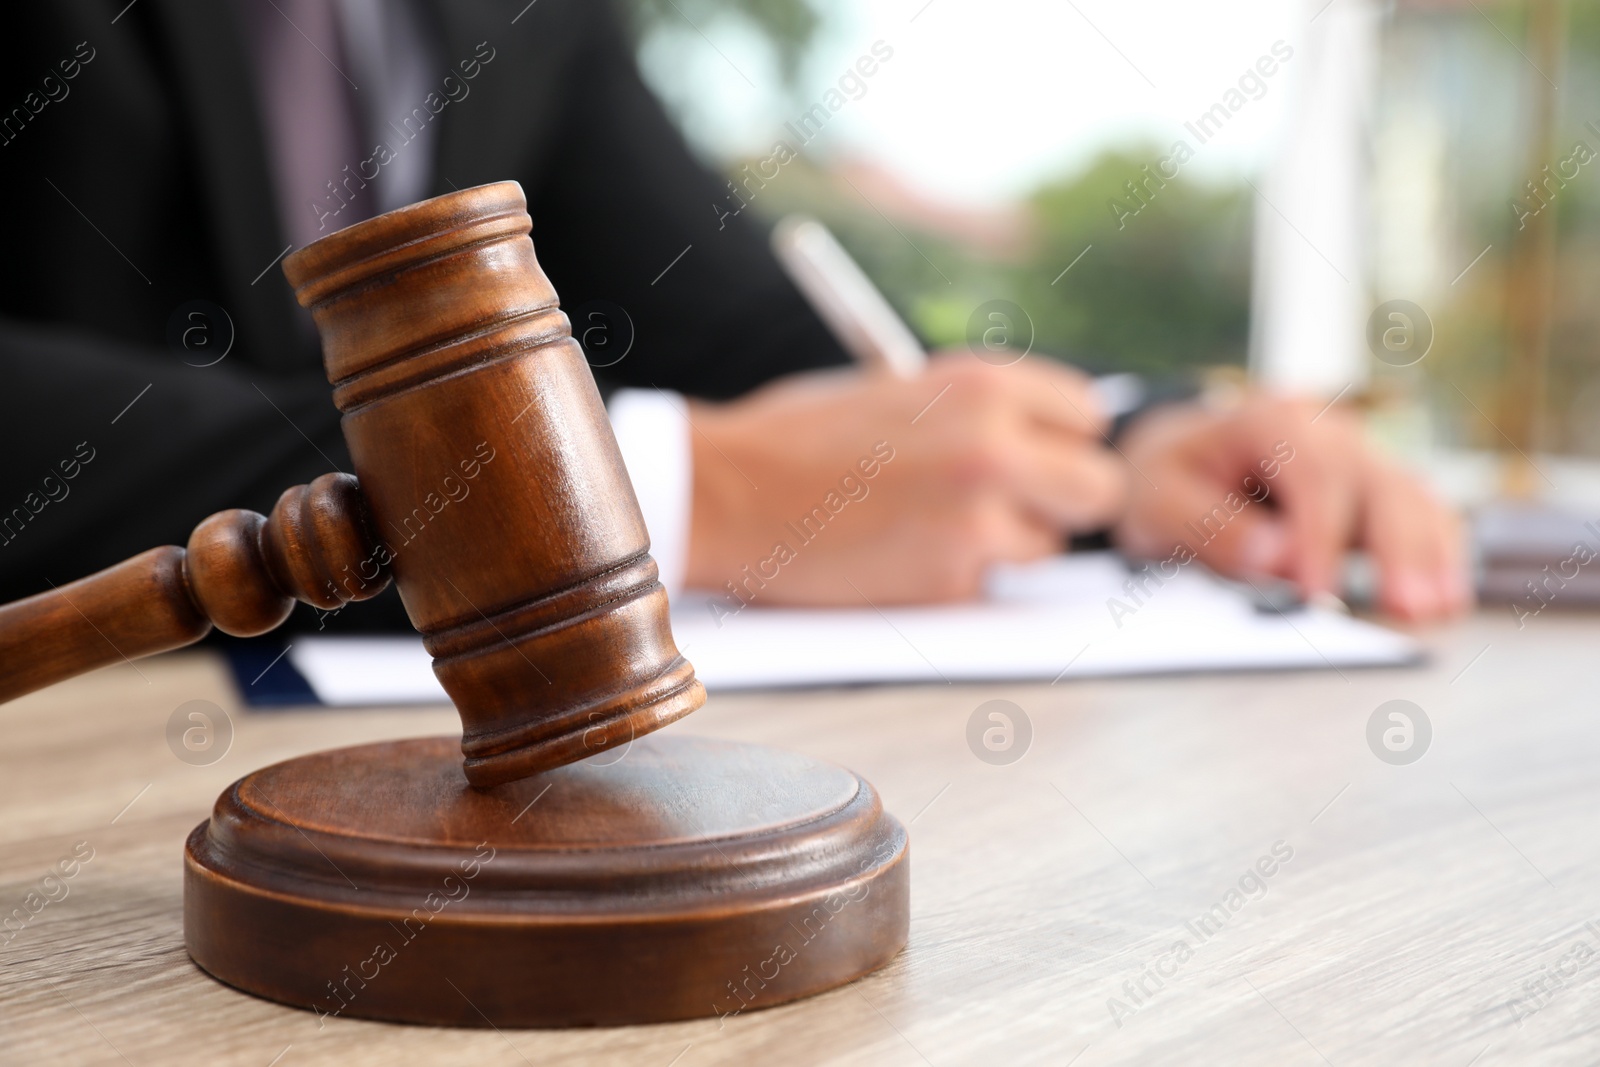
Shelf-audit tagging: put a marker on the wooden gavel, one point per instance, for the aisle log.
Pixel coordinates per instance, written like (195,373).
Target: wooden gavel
(488,486)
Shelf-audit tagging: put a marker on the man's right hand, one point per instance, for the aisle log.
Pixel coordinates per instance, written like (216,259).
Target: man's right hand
(841,486)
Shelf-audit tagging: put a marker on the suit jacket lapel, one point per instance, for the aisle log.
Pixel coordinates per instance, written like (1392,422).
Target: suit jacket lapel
(466,132)
(229,151)
(476,143)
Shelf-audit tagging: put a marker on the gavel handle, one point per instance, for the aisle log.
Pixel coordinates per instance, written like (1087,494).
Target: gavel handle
(241,572)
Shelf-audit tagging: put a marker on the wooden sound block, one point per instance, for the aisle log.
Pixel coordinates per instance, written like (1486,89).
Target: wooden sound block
(675,878)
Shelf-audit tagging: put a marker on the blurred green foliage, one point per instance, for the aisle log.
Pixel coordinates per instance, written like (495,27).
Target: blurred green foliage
(1165,292)
(1164,289)
(1168,290)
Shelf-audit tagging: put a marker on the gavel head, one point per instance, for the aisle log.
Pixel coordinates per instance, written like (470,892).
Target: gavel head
(493,483)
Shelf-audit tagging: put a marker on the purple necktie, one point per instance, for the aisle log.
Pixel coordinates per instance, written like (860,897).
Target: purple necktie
(308,106)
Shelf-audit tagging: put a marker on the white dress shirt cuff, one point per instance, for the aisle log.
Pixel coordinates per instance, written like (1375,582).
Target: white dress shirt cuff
(653,436)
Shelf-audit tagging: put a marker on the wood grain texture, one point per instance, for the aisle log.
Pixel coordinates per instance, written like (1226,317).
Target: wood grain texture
(240,572)
(493,479)
(679,878)
(1399,932)
(521,556)
(491,489)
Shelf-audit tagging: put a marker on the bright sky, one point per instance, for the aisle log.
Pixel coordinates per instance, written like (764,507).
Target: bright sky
(984,98)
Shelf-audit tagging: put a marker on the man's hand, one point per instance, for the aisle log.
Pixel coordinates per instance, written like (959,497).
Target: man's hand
(840,487)
(1273,488)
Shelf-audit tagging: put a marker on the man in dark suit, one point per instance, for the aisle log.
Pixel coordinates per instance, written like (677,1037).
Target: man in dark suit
(160,157)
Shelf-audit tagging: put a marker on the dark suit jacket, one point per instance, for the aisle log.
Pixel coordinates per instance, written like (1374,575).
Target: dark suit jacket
(140,184)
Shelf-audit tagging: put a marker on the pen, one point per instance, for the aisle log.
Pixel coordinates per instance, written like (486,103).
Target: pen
(869,329)
(845,298)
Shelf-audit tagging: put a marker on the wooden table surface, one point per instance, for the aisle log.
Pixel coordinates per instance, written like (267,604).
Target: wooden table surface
(1429,913)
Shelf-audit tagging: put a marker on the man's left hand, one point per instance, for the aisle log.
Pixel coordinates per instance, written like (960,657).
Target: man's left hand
(1277,487)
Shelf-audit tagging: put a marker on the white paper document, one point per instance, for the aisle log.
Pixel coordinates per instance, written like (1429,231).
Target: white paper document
(1070,617)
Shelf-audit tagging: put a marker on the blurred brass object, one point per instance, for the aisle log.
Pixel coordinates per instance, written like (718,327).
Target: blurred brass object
(1530,281)
(1224,387)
